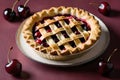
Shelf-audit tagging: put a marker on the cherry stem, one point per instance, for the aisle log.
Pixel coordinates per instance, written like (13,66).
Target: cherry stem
(8,56)
(111,54)
(14,4)
(26,3)
(93,3)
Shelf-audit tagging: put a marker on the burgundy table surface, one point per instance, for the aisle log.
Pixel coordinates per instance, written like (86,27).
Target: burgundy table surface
(36,71)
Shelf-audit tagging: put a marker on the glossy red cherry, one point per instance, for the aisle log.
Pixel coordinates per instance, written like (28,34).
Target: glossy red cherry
(54,37)
(74,29)
(47,28)
(105,67)
(62,47)
(23,10)
(37,34)
(104,8)
(38,41)
(77,32)
(85,27)
(44,43)
(13,67)
(67,21)
(9,14)
(64,34)
(58,24)
(72,44)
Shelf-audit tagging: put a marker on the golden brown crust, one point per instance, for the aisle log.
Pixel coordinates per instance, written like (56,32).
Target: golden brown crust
(53,52)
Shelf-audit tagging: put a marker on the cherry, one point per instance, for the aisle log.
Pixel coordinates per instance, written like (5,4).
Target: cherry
(82,39)
(67,21)
(9,14)
(74,29)
(72,44)
(62,47)
(44,43)
(55,38)
(23,10)
(38,41)
(64,34)
(58,24)
(104,8)
(37,34)
(13,67)
(85,27)
(105,67)
(77,32)
(47,28)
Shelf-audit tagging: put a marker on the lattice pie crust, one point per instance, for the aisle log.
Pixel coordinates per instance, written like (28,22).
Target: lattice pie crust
(61,33)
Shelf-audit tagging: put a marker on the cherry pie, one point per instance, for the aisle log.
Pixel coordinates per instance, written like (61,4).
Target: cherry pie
(61,33)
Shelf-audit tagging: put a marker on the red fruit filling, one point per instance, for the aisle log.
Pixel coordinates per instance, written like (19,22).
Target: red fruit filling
(58,24)
(54,37)
(44,43)
(37,34)
(74,29)
(64,34)
(47,28)
(82,39)
(38,41)
(62,47)
(67,21)
(72,44)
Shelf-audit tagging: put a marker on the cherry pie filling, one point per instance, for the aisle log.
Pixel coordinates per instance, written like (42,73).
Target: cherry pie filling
(37,34)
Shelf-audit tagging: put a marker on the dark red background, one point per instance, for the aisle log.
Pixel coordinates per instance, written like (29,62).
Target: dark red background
(37,71)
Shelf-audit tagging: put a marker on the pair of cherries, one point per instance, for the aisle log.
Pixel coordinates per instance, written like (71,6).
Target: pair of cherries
(22,10)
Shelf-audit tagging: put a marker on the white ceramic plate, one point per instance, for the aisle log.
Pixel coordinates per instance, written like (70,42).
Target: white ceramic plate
(96,51)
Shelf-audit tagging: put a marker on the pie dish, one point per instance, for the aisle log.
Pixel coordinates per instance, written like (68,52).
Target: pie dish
(61,33)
